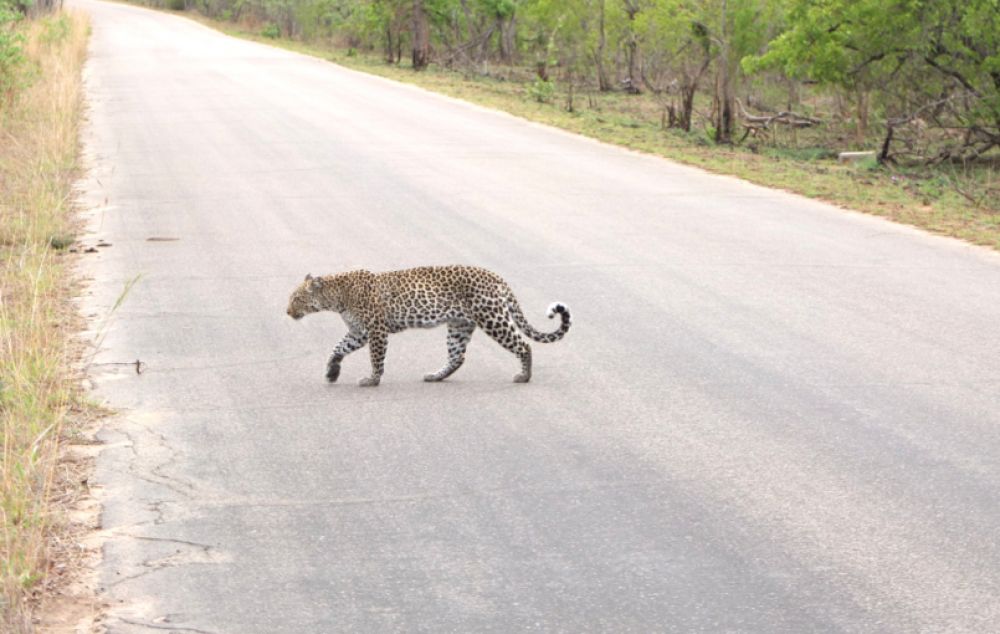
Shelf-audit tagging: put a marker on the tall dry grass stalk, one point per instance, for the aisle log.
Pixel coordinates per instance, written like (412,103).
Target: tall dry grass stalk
(38,157)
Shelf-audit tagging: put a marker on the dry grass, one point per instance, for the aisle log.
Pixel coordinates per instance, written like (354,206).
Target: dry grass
(38,157)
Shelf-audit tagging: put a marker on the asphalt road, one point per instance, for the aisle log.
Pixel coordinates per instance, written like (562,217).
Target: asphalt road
(770,415)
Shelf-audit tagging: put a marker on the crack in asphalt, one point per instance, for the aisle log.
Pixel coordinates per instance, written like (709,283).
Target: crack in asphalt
(154,473)
(158,626)
(178,558)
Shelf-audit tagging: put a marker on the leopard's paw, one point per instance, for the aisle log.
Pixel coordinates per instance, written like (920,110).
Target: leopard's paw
(332,372)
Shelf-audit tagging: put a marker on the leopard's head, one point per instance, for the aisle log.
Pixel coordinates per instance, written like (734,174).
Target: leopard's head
(307,298)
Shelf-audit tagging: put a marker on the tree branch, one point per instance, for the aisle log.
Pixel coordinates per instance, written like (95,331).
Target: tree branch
(953,74)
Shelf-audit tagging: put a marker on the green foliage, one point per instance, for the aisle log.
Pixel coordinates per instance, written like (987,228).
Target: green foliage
(934,66)
(709,135)
(12,60)
(542,90)
(57,29)
(931,46)
(324,18)
(502,8)
(840,41)
(271,30)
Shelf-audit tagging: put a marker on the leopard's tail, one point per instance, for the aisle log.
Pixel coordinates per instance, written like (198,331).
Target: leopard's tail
(557,308)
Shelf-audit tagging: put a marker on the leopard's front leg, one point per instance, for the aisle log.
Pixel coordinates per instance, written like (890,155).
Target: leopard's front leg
(378,338)
(351,342)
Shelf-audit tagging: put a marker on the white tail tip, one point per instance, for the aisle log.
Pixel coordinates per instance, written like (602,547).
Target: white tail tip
(557,307)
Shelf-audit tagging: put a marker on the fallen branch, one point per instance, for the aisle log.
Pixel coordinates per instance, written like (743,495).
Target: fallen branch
(786,117)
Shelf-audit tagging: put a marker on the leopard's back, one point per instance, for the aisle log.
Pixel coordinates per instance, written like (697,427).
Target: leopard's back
(428,296)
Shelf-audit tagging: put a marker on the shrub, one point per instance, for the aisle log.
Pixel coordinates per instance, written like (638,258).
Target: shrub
(57,29)
(12,60)
(542,90)
(271,30)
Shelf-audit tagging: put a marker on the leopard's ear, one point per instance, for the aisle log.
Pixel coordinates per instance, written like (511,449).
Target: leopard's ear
(308,276)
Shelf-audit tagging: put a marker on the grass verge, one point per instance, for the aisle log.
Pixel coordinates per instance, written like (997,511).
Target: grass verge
(39,131)
(962,202)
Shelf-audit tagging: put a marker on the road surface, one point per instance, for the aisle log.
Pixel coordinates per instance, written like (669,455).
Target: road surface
(770,415)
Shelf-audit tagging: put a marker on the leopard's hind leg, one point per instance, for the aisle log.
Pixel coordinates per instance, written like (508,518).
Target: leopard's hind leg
(504,331)
(459,333)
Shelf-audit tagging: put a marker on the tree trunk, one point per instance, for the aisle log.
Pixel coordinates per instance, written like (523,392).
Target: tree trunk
(542,71)
(793,95)
(421,36)
(390,48)
(861,130)
(632,9)
(883,155)
(724,114)
(508,39)
(723,106)
(687,105)
(632,53)
(603,81)
(723,85)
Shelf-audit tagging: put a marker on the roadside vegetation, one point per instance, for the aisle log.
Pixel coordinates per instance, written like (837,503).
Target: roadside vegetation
(773,91)
(41,56)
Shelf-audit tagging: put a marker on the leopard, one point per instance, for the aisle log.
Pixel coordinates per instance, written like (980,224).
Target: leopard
(375,305)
